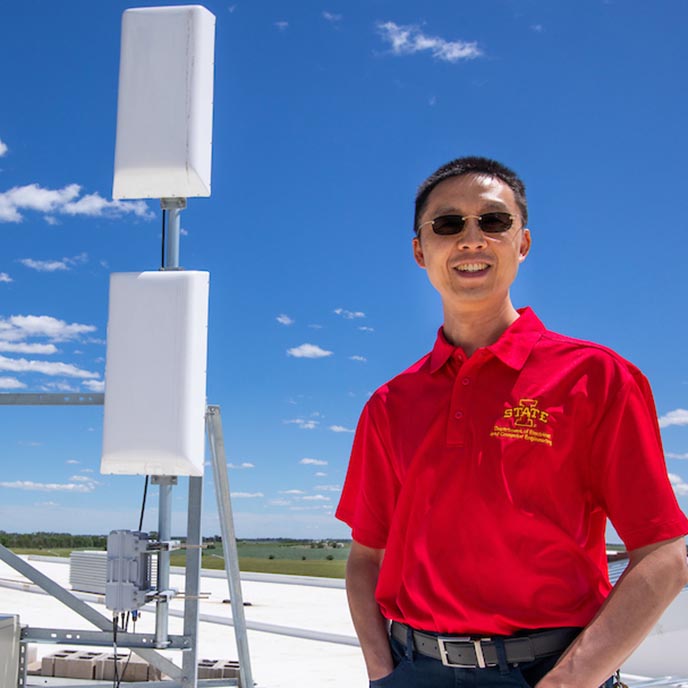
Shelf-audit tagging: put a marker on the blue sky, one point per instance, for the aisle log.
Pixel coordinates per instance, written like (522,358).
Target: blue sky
(327,116)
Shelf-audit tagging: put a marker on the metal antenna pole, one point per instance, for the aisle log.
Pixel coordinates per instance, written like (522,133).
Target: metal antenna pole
(173,206)
(229,546)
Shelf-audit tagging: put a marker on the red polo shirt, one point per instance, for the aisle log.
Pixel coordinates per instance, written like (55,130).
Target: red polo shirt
(488,482)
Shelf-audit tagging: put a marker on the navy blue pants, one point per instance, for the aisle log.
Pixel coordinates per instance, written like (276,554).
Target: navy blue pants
(413,670)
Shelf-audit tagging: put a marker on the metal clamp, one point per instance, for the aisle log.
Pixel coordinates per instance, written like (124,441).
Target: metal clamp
(479,656)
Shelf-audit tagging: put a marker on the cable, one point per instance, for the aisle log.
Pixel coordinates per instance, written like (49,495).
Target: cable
(134,616)
(143,503)
(162,256)
(115,676)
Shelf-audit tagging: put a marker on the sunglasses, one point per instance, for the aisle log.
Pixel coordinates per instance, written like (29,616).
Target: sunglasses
(490,223)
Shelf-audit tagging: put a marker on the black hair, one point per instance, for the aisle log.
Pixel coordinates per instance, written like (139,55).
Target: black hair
(472,165)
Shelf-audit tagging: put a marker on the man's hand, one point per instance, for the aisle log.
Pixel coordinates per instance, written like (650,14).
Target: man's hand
(654,576)
(362,570)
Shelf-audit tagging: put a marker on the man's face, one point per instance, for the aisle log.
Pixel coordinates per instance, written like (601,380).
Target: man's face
(471,267)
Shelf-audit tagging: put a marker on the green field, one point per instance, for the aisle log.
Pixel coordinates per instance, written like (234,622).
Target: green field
(296,558)
(276,556)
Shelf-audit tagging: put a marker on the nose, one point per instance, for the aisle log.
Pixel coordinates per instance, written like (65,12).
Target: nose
(472,236)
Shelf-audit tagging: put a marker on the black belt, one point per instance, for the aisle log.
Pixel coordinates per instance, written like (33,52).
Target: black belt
(466,652)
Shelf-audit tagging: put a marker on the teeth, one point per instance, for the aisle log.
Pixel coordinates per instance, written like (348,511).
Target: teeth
(472,267)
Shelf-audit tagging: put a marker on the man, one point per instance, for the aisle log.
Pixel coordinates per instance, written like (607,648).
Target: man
(481,478)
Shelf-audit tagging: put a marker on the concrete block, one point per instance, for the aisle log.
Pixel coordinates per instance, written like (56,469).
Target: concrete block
(230,669)
(105,666)
(154,674)
(48,666)
(62,660)
(207,668)
(35,668)
(82,665)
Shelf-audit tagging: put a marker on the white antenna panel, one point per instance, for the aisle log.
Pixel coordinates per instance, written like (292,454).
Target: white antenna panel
(155,374)
(165,103)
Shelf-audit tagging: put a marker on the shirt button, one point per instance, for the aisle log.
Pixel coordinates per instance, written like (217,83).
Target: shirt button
(466,381)
(458,415)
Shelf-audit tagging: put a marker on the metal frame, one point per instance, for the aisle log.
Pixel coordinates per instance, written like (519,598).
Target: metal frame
(141,643)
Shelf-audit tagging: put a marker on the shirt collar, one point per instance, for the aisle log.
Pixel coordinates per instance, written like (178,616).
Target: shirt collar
(512,348)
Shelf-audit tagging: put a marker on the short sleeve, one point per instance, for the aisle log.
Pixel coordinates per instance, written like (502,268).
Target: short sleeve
(371,487)
(629,472)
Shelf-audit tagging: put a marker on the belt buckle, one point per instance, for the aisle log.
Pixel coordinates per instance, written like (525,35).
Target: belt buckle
(444,656)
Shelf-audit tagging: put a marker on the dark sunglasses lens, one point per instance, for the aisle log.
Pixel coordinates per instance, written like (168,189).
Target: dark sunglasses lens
(495,222)
(447,224)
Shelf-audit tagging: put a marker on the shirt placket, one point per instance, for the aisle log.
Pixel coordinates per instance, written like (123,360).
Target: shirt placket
(461,400)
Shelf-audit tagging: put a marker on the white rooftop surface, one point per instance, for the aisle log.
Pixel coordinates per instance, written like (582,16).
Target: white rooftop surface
(277,661)
(315,608)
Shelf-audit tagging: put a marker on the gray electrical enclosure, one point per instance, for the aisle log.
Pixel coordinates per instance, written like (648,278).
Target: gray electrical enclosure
(9,650)
(128,582)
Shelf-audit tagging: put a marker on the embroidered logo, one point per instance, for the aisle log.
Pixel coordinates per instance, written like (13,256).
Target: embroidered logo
(525,422)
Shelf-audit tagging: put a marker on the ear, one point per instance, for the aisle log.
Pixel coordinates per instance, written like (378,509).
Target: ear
(526,242)
(418,252)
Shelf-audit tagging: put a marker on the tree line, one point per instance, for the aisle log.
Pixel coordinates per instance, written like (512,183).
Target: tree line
(51,540)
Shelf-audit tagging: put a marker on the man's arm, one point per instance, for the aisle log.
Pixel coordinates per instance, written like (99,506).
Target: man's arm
(654,576)
(362,570)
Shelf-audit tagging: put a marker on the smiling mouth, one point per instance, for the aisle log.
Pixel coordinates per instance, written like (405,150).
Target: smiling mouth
(472,267)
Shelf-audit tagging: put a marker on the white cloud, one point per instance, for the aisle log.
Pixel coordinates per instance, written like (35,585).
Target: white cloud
(361,359)
(48,487)
(328,488)
(25,348)
(84,479)
(54,265)
(671,455)
(52,221)
(11,383)
(315,326)
(316,498)
(340,428)
(676,417)
(72,461)
(363,328)
(65,201)
(292,492)
(679,485)
(44,265)
(349,315)
(46,504)
(282,25)
(538,28)
(58,387)
(308,351)
(96,386)
(303,423)
(3,148)
(20,327)
(4,277)
(247,495)
(244,464)
(283,319)
(22,365)
(279,502)
(34,197)
(94,205)
(320,474)
(409,39)
(331,17)
(313,462)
